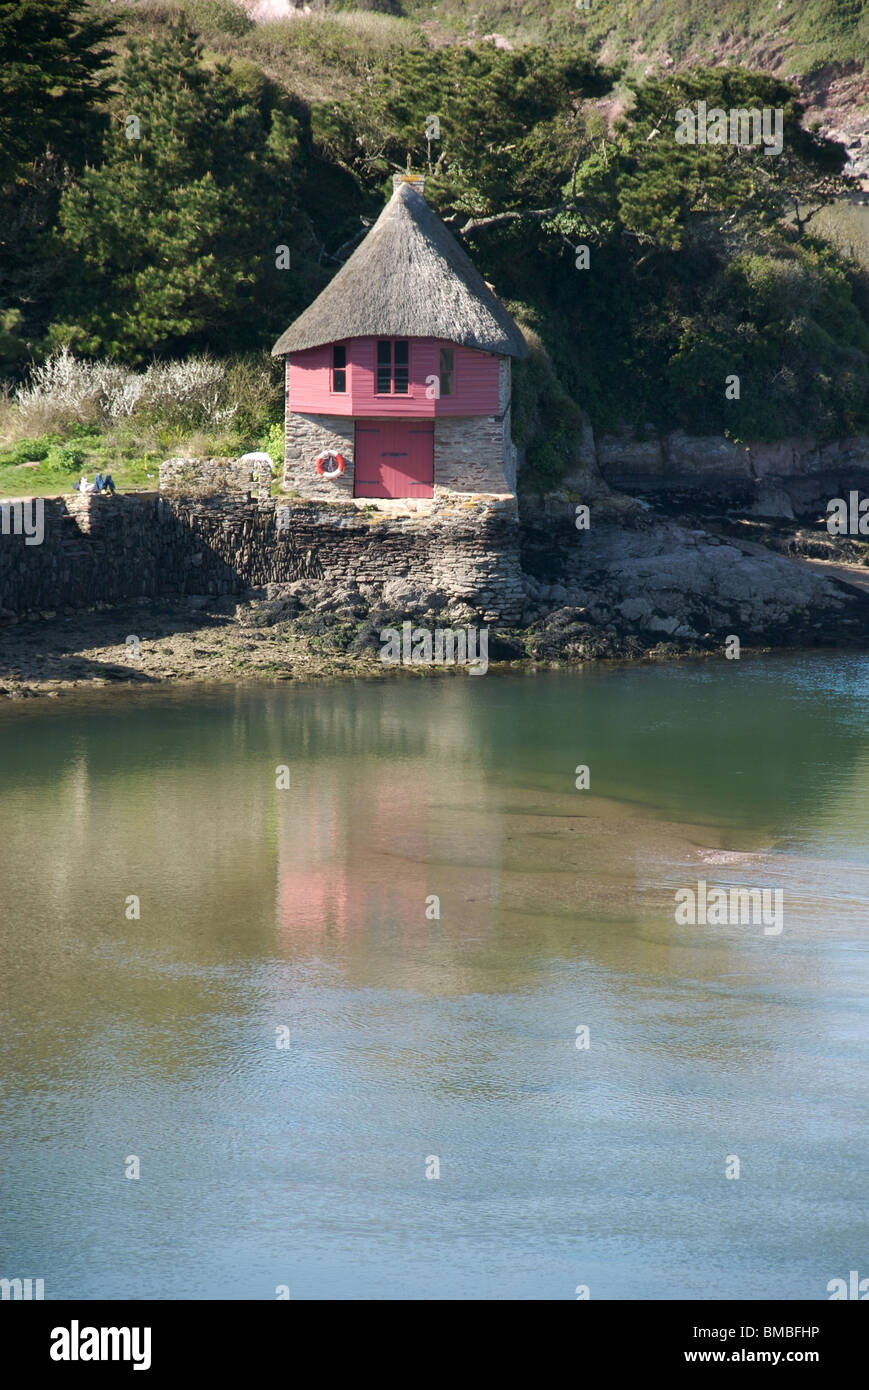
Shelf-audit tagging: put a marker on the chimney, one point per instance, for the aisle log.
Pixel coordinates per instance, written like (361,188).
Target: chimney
(417,181)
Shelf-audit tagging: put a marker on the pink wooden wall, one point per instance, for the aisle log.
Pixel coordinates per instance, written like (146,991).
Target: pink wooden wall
(475,382)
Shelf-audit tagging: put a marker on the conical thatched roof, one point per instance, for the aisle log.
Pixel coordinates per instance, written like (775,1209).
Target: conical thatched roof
(409,278)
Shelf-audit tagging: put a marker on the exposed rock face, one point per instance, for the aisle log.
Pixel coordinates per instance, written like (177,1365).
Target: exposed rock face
(697,457)
(655,578)
(704,457)
(681,584)
(836,98)
(784,478)
(772,501)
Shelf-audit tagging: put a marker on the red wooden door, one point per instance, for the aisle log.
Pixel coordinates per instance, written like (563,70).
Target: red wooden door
(394,458)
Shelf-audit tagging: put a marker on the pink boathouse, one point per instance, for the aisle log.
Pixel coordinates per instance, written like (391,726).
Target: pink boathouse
(398,375)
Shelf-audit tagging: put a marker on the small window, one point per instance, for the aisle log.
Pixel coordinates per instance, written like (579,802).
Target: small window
(384,368)
(339,368)
(400,380)
(393,367)
(446,371)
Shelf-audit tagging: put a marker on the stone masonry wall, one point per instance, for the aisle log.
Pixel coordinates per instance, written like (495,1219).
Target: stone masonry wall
(252,477)
(110,549)
(475,453)
(469,455)
(306,437)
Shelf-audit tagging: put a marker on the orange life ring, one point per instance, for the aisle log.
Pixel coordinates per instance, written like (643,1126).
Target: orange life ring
(336,459)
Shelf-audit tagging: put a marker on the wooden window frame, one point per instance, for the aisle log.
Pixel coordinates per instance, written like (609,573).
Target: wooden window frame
(335,369)
(393,367)
(449,371)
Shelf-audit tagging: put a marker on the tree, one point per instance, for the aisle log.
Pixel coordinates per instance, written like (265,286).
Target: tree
(495,131)
(682,239)
(53,85)
(52,78)
(175,235)
(668,187)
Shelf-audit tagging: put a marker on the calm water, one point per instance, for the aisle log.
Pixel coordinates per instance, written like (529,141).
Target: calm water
(413,1037)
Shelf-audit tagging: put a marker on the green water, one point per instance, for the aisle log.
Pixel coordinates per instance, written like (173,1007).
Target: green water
(412,1035)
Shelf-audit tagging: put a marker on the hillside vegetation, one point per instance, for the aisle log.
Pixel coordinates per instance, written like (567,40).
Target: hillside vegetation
(187,181)
(790,36)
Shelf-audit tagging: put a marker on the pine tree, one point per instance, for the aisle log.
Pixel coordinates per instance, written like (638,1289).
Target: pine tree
(175,232)
(53,86)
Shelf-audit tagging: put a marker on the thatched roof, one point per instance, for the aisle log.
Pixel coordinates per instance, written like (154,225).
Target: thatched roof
(409,278)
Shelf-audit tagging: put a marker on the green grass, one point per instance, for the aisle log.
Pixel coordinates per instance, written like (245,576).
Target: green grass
(846,225)
(132,475)
(62,458)
(345,42)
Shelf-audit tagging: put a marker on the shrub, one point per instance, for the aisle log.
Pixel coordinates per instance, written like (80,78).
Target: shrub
(64,390)
(272,443)
(27,451)
(197,393)
(546,420)
(66,458)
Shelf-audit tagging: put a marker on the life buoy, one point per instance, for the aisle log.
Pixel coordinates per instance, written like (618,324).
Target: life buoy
(336,459)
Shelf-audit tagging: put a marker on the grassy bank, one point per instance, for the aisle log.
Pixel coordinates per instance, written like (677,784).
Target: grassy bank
(76,417)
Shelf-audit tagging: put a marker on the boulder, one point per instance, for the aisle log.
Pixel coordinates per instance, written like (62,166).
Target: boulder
(705,456)
(665,579)
(621,455)
(772,501)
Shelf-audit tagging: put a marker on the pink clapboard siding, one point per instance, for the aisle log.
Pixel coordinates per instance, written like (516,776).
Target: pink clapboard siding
(475,382)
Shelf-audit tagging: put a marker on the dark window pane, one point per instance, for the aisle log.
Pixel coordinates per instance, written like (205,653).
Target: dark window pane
(401,354)
(339,379)
(339,356)
(383,381)
(384,353)
(401,379)
(446,371)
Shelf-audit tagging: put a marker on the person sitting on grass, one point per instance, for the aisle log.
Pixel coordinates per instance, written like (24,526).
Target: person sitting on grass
(104,484)
(83,485)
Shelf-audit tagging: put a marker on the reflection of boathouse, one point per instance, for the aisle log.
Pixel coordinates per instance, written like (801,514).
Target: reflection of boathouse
(360,850)
(398,375)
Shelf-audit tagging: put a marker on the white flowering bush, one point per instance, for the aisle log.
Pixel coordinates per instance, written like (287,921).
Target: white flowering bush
(192,389)
(66,390)
(69,391)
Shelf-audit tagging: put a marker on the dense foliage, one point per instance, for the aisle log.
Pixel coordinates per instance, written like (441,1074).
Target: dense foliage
(171,239)
(163,237)
(802,36)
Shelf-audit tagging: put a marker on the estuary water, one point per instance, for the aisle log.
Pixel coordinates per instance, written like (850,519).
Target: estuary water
(338,1027)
